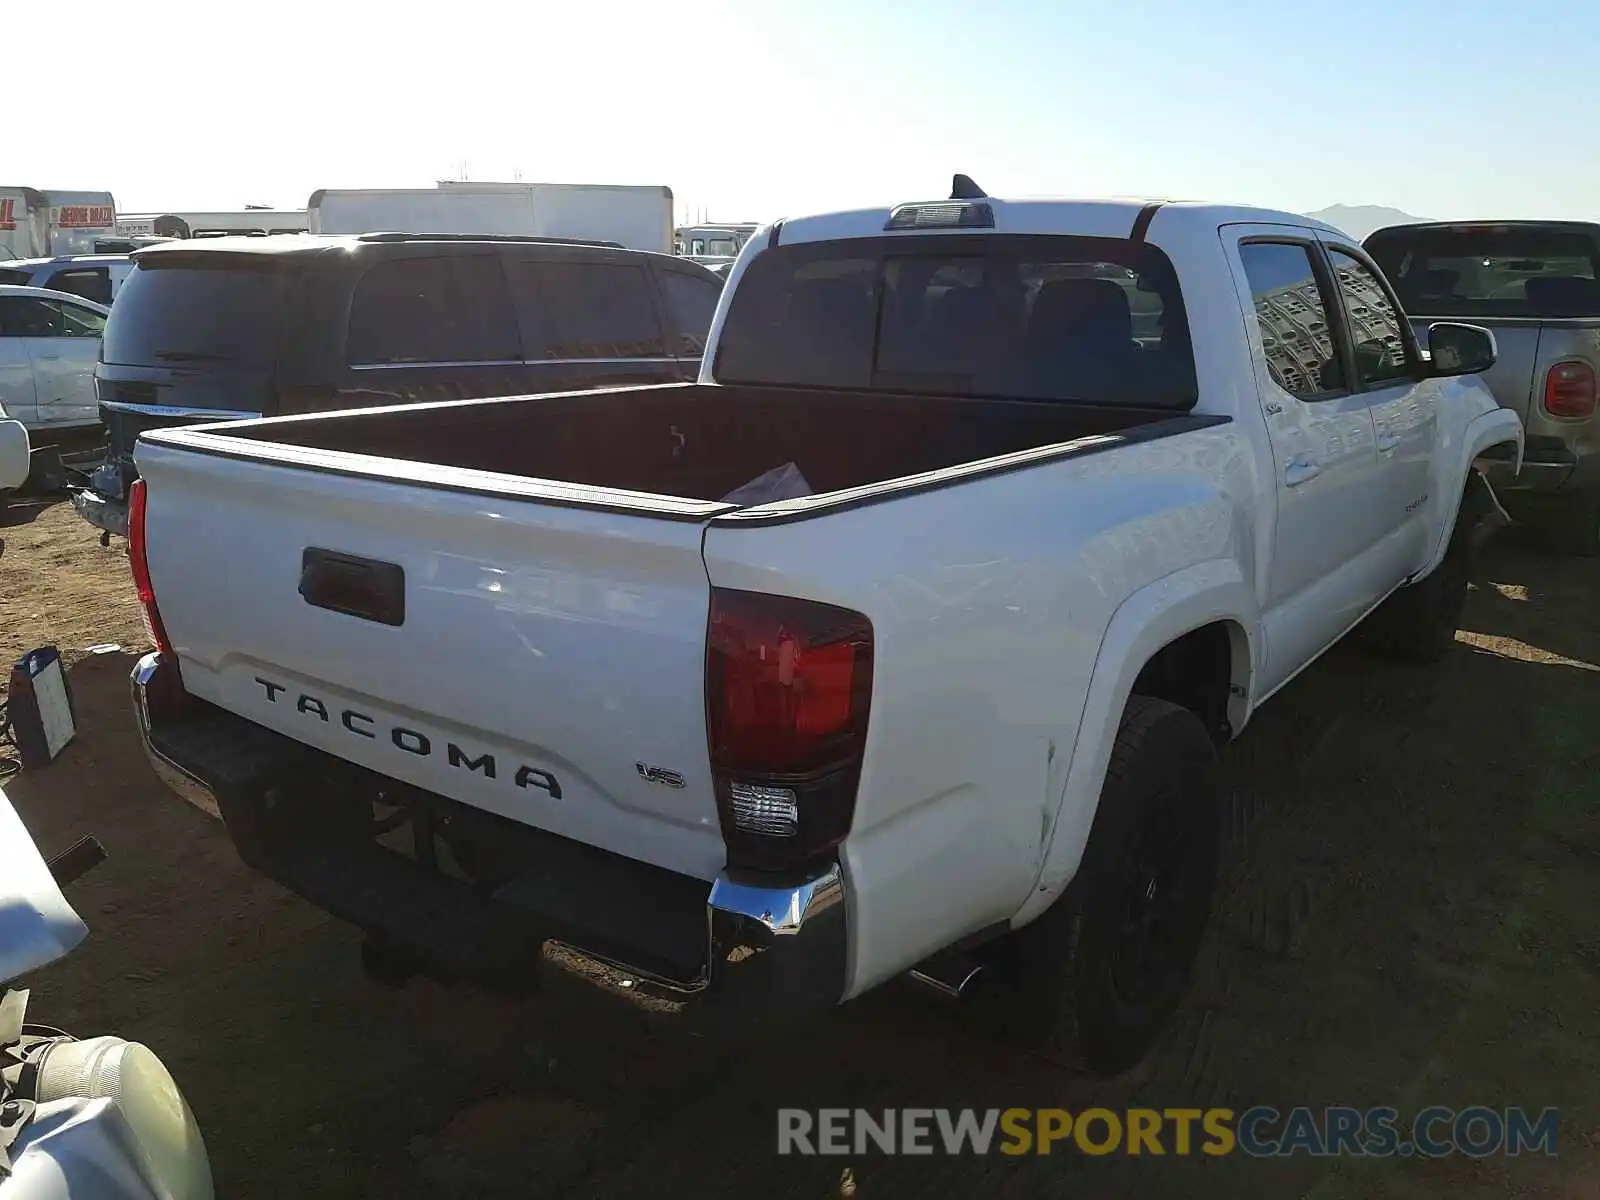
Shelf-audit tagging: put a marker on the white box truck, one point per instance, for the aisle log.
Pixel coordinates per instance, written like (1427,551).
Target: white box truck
(52,222)
(637,217)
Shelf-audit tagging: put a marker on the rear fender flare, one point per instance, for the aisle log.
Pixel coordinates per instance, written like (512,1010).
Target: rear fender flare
(1152,617)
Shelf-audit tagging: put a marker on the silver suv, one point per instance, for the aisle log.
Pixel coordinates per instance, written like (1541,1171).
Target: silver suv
(95,277)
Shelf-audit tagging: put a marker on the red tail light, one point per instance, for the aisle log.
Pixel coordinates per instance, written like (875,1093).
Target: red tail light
(1569,390)
(788,688)
(141,567)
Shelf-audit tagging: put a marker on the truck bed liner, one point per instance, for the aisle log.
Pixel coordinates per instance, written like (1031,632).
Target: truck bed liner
(700,441)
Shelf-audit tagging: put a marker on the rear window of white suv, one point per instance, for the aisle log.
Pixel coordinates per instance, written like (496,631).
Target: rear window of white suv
(1091,320)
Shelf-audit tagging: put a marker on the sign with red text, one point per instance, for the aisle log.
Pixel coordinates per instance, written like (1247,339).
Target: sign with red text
(83,216)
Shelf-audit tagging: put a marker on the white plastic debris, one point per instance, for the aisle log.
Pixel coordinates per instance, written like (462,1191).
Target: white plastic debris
(780,483)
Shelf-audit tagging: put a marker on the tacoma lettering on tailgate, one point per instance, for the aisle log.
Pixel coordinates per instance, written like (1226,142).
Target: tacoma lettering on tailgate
(412,741)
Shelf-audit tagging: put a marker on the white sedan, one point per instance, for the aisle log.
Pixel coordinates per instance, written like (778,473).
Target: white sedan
(49,343)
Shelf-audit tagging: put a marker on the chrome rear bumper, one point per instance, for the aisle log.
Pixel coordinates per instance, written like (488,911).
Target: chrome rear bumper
(767,948)
(103,514)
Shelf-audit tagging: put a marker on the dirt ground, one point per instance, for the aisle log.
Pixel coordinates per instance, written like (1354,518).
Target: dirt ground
(1408,919)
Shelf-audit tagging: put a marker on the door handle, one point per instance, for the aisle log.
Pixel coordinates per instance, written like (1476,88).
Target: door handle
(50,357)
(358,587)
(1300,471)
(1387,442)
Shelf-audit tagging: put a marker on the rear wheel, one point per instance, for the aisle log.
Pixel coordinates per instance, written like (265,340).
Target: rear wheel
(1096,978)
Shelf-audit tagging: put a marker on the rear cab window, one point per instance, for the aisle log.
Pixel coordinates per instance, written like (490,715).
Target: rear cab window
(1092,320)
(1510,270)
(199,309)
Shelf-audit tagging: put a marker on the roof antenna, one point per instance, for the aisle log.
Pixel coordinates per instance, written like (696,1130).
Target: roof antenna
(962,188)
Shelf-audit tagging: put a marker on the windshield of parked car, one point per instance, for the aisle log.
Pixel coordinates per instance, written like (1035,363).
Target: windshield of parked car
(1492,271)
(1096,320)
(187,310)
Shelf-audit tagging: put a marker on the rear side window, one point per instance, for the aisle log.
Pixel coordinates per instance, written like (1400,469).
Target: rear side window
(432,310)
(1095,320)
(90,283)
(692,301)
(1292,318)
(198,309)
(585,310)
(1491,270)
(12,275)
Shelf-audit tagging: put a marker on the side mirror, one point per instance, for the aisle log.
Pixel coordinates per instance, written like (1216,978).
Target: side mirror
(1457,349)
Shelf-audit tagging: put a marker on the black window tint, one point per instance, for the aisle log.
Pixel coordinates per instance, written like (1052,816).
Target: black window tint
(1491,271)
(692,301)
(1292,315)
(92,284)
(802,318)
(12,275)
(586,310)
(198,309)
(1063,318)
(1375,333)
(433,310)
(24,316)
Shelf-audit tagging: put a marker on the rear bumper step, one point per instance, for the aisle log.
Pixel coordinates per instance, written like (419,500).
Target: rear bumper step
(305,819)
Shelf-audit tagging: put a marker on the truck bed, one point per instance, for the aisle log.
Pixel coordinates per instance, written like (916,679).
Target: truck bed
(701,441)
(505,602)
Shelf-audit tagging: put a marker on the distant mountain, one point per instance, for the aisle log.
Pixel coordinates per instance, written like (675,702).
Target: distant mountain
(1358,220)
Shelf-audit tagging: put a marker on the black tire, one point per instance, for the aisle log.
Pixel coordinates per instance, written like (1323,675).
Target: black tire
(1418,623)
(1093,982)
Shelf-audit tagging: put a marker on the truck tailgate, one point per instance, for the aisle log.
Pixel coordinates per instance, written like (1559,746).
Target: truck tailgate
(547,663)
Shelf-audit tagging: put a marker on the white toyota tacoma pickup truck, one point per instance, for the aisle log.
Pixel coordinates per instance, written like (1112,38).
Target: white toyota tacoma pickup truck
(1068,489)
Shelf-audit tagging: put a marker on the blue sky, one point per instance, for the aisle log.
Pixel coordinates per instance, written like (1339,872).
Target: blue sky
(760,110)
